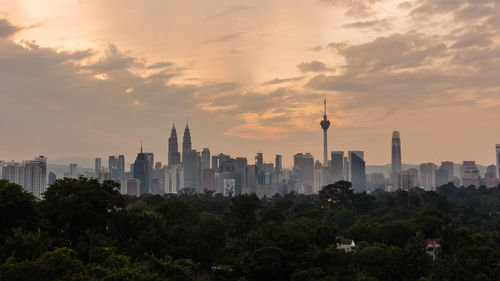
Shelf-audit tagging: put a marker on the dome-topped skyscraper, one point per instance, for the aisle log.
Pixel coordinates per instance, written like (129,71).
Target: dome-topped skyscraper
(325,124)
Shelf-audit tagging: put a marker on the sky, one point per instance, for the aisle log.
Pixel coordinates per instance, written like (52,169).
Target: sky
(91,78)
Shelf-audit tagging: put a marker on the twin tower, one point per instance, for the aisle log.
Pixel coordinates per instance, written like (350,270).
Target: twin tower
(174,156)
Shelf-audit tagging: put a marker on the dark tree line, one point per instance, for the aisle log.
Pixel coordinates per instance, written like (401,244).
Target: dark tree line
(84,230)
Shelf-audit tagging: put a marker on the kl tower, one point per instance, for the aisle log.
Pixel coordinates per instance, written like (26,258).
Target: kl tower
(325,124)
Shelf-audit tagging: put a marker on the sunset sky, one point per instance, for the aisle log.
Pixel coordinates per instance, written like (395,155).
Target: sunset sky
(87,78)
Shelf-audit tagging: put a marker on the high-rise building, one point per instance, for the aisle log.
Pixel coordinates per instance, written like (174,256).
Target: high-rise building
(186,141)
(409,178)
(396,161)
(114,167)
(174,178)
(491,172)
(490,177)
(318,182)
(303,166)
(442,177)
(131,187)
(205,159)
(30,174)
(470,174)
(498,159)
(215,163)
(98,167)
(191,163)
(250,182)
(143,169)
(337,165)
(278,165)
(449,167)
(259,160)
(375,181)
(428,176)
(73,171)
(357,170)
(52,178)
(121,166)
(325,124)
(174,157)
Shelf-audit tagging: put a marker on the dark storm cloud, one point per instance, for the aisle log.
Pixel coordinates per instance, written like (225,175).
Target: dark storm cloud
(7,29)
(313,66)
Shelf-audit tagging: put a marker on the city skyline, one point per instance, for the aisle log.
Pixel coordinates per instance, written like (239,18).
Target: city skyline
(250,77)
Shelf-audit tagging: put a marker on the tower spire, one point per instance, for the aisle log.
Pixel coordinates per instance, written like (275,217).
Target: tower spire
(324,110)
(325,124)
(141,146)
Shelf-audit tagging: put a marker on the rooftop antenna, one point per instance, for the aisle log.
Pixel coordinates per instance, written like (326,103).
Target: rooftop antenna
(141,146)
(324,103)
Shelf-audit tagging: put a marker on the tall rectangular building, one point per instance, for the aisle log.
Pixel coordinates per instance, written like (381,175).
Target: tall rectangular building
(303,165)
(357,170)
(205,159)
(98,167)
(191,166)
(73,171)
(449,167)
(337,166)
(428,176)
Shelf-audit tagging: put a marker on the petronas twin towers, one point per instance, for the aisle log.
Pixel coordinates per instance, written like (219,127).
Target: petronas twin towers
(174,156)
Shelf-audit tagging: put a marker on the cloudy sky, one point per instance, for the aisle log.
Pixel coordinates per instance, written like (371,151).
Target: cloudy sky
(87,78)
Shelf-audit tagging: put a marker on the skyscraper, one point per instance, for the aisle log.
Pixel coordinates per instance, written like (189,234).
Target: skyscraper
(337,166)
(52,178)
(191,163)
(278,165)
(471,175)
(357,170)
(259,160)
(449,167)
(205,159)
(186,140)
(325,124)
(121,166)
(114,167)
(143,168)
(174,156)
(98,167)
(73,171)
(396,161)
(428,176)
(303,166)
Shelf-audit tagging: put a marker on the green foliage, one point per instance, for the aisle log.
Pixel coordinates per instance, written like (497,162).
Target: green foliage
(336,194)
(17,208)
(83,230)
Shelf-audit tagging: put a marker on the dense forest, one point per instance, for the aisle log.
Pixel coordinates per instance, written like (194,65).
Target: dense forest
(84,230)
